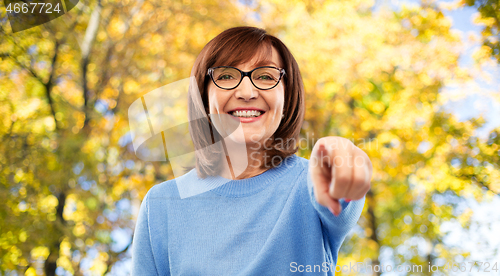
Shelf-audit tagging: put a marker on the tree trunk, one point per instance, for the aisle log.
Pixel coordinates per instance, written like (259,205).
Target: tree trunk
(372,223)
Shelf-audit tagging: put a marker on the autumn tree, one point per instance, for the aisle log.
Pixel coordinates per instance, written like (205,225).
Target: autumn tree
(70,179)
(376,78)
(489,17)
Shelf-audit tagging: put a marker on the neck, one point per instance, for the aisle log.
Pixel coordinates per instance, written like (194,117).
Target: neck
(241,163)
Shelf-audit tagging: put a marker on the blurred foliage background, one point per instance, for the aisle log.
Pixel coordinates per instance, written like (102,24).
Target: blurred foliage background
(70,183)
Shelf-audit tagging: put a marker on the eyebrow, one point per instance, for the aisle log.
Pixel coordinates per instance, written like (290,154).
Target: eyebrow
(265,63)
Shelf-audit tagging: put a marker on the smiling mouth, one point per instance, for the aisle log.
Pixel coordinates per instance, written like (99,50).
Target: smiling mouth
(246,113)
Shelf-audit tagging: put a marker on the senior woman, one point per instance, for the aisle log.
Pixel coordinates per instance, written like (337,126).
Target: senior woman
(276,213)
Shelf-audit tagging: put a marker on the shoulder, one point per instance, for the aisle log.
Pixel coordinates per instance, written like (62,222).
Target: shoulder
(297,169)
(294,164)
(302,162)
(169,188)
(300,165)
(291,168)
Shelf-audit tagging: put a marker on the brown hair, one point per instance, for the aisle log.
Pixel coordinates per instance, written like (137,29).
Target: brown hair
(230,48)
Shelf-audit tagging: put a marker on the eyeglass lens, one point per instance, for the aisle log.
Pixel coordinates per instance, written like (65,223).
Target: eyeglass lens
(263,78)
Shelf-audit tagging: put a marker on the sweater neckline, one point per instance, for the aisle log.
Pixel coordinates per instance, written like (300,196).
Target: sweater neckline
(252,185)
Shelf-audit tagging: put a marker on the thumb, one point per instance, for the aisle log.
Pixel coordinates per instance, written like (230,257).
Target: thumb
(334,206)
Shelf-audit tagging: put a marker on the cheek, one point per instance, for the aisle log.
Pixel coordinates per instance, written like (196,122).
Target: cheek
(216,101)
(282,100)
(277,101)
(211,99)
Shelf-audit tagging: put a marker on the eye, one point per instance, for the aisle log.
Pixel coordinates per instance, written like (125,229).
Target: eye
(265,77)
(224,77)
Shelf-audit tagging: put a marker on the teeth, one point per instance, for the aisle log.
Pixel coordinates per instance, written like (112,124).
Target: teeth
(246,113)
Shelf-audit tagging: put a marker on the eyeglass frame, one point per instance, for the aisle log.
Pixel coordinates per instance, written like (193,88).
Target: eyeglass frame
(245,74)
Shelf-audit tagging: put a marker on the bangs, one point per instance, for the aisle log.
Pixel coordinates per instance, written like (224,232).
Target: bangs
(239,51)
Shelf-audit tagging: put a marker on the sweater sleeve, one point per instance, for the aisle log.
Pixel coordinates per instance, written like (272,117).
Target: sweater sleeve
(143,262)
(336,228)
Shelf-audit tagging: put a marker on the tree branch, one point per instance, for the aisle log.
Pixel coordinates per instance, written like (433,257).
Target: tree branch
(473,178)
(88,40)
(25,67)
(50,83)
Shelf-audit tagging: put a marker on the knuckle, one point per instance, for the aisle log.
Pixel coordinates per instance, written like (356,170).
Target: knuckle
(343,177)
(344,181)
(358,182)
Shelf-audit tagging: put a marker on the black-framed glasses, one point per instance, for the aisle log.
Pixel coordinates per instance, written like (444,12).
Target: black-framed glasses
(263,78)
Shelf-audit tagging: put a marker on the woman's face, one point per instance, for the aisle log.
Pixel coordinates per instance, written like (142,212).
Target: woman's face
(246,97)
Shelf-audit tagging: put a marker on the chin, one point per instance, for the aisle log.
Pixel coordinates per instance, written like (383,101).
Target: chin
(244,139)
(237,139)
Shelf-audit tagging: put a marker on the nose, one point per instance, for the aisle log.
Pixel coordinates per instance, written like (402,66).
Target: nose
(246,90)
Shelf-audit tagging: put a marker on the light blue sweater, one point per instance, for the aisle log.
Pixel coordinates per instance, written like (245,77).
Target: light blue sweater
(269,224)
